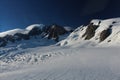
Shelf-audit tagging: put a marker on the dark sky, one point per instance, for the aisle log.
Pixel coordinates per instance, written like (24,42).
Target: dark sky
(21,13)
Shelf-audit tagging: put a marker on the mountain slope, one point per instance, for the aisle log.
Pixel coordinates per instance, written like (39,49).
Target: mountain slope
(97,33)
(38,32)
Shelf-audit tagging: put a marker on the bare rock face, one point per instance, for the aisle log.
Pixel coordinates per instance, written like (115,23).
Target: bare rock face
(13,38)
(35,31)
(90,31)
(26,36)
(54,31)
(9,38)
(18,36)
(3,42)
(104,34)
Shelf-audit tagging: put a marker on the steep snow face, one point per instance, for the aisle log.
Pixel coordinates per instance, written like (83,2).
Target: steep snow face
(108,29)
(14,31)
(22,31)
(35,25)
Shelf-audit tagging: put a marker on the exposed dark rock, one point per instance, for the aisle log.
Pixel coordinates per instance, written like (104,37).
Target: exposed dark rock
(3,42)
(109,40)
(19,36)
(35,31)
(99,22)
(9,38)
(114,22)
(104,34)
(25,36)
(110,26)
(90,31)
(54,31)
(56,28)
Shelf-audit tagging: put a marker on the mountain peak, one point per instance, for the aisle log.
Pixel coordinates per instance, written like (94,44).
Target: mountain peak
(96,33)
(36,30)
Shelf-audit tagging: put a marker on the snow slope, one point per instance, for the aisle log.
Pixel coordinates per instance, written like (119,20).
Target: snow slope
(57,63)
(76,38)
(23,31)
(14,31)
(41,26)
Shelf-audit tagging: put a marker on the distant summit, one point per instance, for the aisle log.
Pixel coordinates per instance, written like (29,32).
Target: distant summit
(36,30)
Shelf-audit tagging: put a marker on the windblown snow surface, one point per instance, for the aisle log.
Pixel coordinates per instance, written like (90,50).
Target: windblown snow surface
(56,63)
(65,62)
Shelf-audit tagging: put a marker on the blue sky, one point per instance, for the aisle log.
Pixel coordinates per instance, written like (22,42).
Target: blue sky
(21,13)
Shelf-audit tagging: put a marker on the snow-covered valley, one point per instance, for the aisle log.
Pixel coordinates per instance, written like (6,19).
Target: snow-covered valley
(55,63)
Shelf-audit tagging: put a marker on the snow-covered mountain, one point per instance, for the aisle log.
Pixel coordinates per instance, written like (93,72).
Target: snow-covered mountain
(36,34)
(97,33)
(34,57)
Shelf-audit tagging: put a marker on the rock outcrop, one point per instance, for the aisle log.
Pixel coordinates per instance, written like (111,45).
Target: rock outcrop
(104,34)
(54,31)
(90,31)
